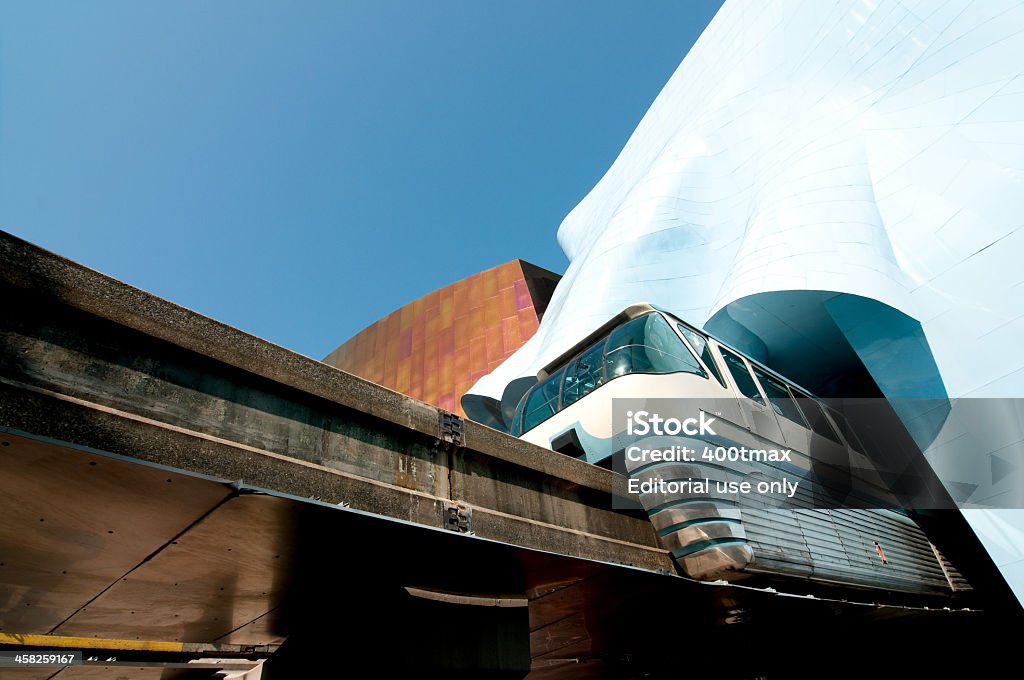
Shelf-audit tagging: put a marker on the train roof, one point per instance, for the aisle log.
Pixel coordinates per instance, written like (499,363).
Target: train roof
(628,314)
(637,310)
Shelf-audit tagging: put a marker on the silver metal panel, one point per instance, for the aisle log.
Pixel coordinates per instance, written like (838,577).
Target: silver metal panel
(691,511)
(705,531)
(718,561)
(839,546)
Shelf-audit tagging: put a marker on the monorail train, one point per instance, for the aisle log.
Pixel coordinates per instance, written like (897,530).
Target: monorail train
(838,528)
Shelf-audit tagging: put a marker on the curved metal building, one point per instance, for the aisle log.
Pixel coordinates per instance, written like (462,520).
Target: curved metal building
(435,347)
(835,189)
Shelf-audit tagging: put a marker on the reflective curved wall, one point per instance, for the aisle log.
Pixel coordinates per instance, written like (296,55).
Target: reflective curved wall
(862,149)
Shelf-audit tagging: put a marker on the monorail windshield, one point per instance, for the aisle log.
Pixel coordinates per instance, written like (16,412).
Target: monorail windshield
(646,344)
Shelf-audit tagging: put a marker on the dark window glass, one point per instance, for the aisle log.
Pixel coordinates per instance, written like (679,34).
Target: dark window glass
(744,381)
(844,426)
(700,344)
(583,374)
(811,409)
(517,419)
(648,345)
(644,345)
(624,350)
(779,397)
(542,402)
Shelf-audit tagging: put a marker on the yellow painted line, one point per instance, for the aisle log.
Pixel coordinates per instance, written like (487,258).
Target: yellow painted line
(89,643)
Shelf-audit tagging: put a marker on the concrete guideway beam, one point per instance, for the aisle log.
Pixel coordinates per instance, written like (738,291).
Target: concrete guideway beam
(164,385)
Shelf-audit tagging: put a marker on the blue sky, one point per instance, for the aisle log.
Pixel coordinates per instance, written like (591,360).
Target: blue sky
(298,170)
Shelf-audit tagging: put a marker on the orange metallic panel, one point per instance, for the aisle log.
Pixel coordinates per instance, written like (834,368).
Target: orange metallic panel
(493,343)
(488,287)
(436,347)
(446,315)
(507,301)
(510,336)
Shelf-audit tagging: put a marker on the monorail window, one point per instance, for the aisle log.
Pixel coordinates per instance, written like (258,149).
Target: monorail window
(542,402)
(812,411)
(740,374)
(844,426)
(779,397)
(700,344)
(648,345)
(583,374)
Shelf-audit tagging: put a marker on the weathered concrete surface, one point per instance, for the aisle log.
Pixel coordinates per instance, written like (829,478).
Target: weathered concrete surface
(136,375)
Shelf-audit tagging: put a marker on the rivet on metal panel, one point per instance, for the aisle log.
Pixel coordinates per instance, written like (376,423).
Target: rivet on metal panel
(458,517)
